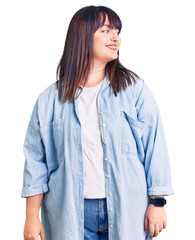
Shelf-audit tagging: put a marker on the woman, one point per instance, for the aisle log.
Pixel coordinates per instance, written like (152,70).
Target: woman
(95,153)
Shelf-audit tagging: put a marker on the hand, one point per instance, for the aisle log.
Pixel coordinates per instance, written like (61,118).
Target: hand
(156,218)
(33,228)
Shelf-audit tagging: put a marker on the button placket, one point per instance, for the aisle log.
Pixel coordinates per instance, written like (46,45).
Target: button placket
(107,176)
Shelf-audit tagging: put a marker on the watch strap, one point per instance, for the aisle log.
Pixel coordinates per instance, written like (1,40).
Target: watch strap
(158,201)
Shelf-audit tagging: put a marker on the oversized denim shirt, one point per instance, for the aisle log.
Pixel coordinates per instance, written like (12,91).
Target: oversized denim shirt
(135,158)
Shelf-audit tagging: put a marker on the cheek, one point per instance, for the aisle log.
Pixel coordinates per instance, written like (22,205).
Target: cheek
(119,41)
(98,48)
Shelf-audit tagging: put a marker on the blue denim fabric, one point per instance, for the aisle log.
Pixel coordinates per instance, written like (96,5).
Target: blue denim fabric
(95,219)
(135,155)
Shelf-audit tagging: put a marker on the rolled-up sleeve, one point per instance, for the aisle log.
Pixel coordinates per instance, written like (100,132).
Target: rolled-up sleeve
(35,174)
(156,157)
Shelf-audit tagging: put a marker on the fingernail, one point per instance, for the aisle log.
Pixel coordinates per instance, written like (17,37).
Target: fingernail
(145,229)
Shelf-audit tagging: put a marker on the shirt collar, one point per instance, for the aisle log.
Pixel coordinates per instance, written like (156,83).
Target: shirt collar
(105,83)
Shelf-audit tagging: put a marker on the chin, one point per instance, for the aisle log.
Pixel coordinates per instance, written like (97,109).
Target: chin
(111,60)
(114,58)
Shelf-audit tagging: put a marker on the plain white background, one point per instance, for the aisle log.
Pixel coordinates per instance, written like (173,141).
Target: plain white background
(157,44)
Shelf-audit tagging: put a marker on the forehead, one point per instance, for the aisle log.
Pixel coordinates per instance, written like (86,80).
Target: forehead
(110,19)
(105,22)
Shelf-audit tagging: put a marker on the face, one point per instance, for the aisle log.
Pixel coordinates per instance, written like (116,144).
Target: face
(106,43)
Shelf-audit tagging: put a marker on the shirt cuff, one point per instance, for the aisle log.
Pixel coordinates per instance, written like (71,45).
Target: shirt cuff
(166,190)
(31,191)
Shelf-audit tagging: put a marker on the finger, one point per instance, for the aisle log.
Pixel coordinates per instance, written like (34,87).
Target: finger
(42,235)
(156,230)
(151,227)
(24,235)
(160,227)
(165,224)
(145,223)
(36,237)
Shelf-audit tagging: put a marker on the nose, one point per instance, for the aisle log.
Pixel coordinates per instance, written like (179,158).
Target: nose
(114,35)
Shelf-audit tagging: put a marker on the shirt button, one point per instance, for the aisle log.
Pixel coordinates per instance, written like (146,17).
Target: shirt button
(110,194)
(101,113)
(103,125)
(110,209)
(105,142)
(111,226)
(107,176)
(105,159)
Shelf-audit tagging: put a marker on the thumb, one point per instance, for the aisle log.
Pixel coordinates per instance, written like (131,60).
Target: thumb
(145,223)
(42,234)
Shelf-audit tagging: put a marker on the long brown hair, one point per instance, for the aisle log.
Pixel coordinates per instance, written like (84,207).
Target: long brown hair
(77,56)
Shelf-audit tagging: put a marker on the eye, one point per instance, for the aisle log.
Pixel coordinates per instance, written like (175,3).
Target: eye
(105,30)
(109,30)
(118,32)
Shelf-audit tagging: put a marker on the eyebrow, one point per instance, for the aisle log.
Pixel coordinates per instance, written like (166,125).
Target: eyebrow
(107,25)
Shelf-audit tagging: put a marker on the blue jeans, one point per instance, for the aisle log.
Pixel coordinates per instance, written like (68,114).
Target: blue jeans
(95,219)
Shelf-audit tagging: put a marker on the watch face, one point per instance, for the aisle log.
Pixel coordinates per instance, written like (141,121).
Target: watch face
(160,202)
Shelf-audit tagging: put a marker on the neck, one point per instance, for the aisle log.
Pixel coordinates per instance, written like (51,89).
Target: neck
(96,75)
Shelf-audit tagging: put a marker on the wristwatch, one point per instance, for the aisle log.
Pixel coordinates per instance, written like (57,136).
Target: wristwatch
(158,201)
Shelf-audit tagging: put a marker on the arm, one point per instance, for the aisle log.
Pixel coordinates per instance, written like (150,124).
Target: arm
(33,226)
(157,170)
(156,160)
(156,157)
(154,196)
(35,177)
(33,204)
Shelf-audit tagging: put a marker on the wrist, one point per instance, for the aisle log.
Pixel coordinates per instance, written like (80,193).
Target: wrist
(158,201)
(32,212)
(155,196)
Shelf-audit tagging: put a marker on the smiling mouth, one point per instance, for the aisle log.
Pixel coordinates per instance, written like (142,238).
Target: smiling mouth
(112,47)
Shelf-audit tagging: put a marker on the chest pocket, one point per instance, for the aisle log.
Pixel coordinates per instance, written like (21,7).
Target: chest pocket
(53,137)
(58,135)
(132,130)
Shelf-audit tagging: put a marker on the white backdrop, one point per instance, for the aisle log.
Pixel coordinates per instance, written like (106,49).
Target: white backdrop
(158,44)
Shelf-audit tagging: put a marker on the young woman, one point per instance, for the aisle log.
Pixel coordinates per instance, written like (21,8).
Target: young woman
(96,159)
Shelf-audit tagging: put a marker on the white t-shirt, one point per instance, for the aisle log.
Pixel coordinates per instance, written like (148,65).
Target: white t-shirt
(92,149)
